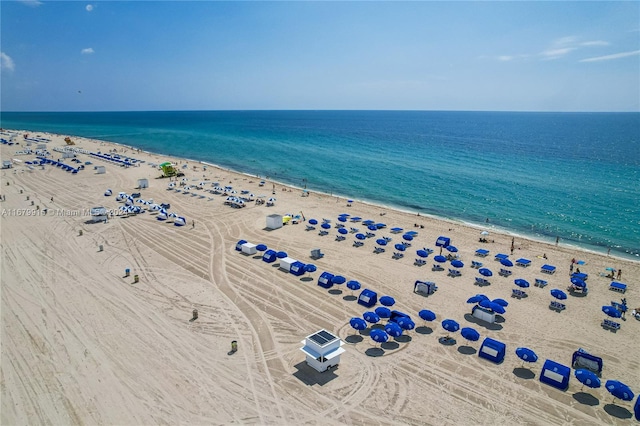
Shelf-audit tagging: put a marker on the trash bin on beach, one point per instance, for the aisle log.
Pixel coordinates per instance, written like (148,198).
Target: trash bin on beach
(127,272)
(80,232)
(100,248)
(195,315)
(136,278)
(234,346)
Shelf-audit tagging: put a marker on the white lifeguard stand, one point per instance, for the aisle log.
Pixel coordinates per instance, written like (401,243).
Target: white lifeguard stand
(323,350)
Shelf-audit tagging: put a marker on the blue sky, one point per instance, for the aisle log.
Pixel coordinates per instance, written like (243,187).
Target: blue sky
(142,55)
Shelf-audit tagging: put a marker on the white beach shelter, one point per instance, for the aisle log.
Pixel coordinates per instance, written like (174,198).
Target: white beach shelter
(274,221)
(98,214)
(143,183)
(484,314)
(100,170)
(323,350)
(285,263)
(249,248)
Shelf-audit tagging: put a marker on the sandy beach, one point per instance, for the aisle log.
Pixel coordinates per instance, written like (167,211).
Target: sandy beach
(83,344)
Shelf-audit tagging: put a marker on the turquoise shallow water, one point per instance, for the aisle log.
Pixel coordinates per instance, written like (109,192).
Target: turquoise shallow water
(572,175)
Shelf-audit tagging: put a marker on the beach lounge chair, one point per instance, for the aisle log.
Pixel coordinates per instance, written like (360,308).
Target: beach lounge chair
(353,230)
(454,273)
(316,254)
(516,292)
(548,269)
(476,265)
(481,281)
(311,228)
(540,283)
(397,255)
(378,250)
(437,267)
(505,272)
(358,243)
(619,287)
(523,262)
(420,262)
(339,225)
(370,235)
(482,252)
(326,220)
(501,256)
(557,306)
(340,238)
(608,324)
(322,233)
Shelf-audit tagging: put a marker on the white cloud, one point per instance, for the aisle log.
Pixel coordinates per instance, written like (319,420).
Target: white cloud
(89,7)
(505,58)
(31,3)
(6,62)
(594,43)
(556,53)
(611,57)
(87,51)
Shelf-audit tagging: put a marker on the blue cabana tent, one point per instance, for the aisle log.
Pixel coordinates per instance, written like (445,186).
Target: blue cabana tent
(636,409)
(582,359)
(397,315)
(297,268)
(239,245)
(492,350)
(324,280)
(556,375)
(368,298)
(443,241)
(269,256)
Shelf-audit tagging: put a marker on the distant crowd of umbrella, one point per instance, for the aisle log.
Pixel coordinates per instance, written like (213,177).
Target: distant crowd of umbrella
(129,207)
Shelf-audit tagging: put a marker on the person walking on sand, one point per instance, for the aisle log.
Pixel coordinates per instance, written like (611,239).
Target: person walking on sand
(619,273)
(193,224)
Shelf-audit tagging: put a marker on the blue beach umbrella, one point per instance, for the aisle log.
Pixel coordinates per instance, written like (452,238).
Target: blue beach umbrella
(361,236)
(619,390)
(456,263)
(353,285)
(506,262)
(470,334)
(578,282)
(326,226)
(452,249)
(313,221)
(485,272)
(261,247)
(393,329)
(387,301)
(358,323)
(356,218)
(281,254)
(383,312)
(611,311)
(501,302)
(368,222)
(381,241)
(343,231)
(372,228)
(400,247)
(310,267)
(338,279)
(526,355)
(450,325)
(558,294)
(406,323)
(440,259)
(587,378)
(521,283)
(427,315)
(477,298)
(371,317)
(379,336)
(422,253)
(407,237)
(342,218)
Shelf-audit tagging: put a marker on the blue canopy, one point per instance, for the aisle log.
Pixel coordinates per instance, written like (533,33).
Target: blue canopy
(506,262)
(485,272)
(611,311)
(450,325)
(470,334)
(558,294)
(338,279)
(422,253)
(387,301)
(443,241)
(619,390)
(371,317)
(353,285)
(588,378)
(281,254)
(361,236)
(439,258)
(456,263)
(406,323)
(261,247)
(381,241)
(400,247)
(393,329)
(313,221)
(407,237)
(427,315)
(343,231)
(526,355)
(383,312)
(521,283)
(358,323)
(378,335)
(501,302)
(477,298)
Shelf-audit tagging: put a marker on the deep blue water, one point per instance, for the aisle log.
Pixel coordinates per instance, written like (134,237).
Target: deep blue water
(573,175)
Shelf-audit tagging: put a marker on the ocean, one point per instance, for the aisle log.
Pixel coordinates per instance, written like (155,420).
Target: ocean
(542,175)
